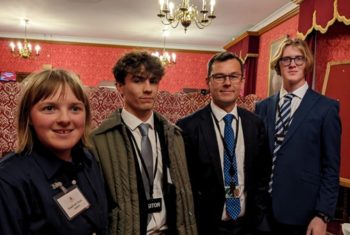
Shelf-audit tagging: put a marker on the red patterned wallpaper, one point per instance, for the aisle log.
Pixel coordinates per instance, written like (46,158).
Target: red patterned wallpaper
(289,27)
(103,102)
(332,46)
(94,63)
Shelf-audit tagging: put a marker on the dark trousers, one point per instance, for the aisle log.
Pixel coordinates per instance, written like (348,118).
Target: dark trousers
(286,229)
(233,227)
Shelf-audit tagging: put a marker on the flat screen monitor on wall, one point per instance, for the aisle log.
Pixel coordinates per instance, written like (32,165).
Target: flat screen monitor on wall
(8,76)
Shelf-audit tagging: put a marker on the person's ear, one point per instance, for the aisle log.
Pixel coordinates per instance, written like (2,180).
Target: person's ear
(119,87)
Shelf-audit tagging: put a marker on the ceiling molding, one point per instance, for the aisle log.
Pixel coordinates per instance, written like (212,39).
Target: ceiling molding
(275,16)
(292,11)
(111,22)
(241,37)
(128,46)
(280,20)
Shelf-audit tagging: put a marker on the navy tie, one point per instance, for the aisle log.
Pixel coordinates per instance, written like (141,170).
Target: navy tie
(281,127)
(233,206)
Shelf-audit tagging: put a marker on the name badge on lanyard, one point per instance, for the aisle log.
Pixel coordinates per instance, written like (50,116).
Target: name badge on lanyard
(71,201)
(154,205)
(233,191)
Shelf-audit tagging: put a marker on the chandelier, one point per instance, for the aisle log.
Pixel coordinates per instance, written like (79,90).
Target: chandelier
(186,13)
(165,57)
(24,49)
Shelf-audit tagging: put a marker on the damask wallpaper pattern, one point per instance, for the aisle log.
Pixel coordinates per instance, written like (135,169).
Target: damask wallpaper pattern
(94,63)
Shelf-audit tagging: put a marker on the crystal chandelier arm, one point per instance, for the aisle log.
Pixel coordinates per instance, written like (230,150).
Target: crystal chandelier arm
(199,25)
(202,25)
(170,23)
(174,25)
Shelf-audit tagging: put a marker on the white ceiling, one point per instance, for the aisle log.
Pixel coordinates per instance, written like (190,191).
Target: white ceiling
(133,22)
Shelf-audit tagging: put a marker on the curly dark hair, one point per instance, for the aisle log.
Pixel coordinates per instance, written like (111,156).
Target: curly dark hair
(138,63)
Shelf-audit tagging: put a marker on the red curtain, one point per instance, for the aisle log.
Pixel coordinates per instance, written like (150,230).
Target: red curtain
(320,15)
(311,41)
(247,49)
(250,66)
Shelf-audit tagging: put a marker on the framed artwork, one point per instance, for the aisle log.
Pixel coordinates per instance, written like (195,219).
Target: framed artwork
(274,80)
(336,86)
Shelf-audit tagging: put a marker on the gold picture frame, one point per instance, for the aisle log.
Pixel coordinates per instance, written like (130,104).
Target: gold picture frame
(274,80)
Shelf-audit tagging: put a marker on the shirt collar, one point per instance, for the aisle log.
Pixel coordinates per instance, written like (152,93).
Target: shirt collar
(50,164)
(300,92)
(220,113)
(133,122)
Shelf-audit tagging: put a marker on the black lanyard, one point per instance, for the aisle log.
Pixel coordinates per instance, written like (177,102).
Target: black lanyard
(231,156)
(143,164)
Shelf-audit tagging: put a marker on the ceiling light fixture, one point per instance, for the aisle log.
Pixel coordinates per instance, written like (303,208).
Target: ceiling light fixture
(165,57)
(186,13)
(24,49)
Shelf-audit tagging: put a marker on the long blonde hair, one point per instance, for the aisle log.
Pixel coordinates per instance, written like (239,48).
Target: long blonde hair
(39,86)
(297,43)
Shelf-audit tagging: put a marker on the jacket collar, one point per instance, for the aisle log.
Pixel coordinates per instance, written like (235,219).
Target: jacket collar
(50,164)
(115,121)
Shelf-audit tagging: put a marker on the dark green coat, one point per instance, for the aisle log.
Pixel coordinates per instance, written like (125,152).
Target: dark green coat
(114,150)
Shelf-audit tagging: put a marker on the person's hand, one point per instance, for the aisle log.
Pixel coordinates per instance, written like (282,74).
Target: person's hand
(317,227)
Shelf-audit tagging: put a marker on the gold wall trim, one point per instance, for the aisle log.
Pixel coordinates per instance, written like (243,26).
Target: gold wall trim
(268,27)
(111,45)
(240,38)
(328,70)
(315,26)
(248,55)
(280,20)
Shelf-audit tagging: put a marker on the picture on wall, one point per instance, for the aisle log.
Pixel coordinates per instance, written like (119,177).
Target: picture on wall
(274,81)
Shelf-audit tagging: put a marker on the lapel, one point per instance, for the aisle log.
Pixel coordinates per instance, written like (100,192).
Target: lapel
(300,114)
(271,118)
(249,140)
(207,129)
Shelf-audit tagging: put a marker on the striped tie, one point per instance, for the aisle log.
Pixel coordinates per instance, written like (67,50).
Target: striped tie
(282,123)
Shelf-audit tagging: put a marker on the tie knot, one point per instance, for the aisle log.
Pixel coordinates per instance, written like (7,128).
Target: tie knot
(144,129)
(289,97)
(228,119)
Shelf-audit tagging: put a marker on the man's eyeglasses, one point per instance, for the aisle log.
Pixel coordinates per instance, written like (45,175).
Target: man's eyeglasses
(221,78)
(287,60)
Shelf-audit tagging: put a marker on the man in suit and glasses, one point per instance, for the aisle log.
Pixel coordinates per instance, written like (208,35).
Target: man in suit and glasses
(227,155)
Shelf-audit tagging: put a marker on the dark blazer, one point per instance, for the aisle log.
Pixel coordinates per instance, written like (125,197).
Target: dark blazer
(205,171)
(27,203)
(306,172)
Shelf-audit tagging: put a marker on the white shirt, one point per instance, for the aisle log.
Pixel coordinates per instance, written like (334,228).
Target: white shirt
(240,151)
(298,96)
(158,221)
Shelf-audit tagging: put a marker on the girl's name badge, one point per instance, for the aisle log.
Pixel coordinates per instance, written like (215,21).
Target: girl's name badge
(71,201)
